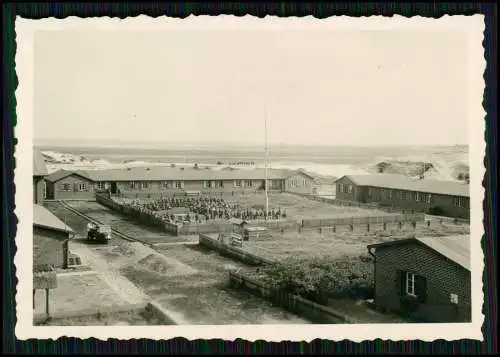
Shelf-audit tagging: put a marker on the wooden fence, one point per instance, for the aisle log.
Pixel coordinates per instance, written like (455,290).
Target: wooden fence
(233,251)
(447,220)
(315,312)
(184,229)
(356,221)
(373,205)
(140,216)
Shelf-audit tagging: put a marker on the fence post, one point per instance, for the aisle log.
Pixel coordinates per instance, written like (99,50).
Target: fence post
(334,228)
(368,227)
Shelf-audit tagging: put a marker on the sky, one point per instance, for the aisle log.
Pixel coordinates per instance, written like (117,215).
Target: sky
(317,87)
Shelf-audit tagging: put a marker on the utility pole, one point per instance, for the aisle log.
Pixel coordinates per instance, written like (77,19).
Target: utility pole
(266,158)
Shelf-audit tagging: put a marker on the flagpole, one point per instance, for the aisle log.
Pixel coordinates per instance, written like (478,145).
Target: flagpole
(266,158)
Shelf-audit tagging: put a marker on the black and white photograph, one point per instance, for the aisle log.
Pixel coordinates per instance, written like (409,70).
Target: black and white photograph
(241,177)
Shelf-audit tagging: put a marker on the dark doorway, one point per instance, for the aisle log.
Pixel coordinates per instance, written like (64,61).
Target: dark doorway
(113,187)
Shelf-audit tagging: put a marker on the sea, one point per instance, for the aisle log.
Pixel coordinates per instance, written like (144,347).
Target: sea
(442,162)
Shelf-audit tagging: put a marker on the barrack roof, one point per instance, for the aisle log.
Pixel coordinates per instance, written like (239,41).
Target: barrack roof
(163,173)
(39,166)
(42,217)
(401,182)
(455,248)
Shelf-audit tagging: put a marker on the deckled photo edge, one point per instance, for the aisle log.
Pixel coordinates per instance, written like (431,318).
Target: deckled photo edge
(25,30)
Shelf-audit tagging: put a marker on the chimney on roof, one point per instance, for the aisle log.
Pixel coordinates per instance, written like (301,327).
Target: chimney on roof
(129,168)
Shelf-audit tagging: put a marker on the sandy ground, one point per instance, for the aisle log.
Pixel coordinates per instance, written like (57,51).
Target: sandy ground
(299,208)
(189,283)
(77,292)
(309,243)
(130,318)
(125,224)
(201,293)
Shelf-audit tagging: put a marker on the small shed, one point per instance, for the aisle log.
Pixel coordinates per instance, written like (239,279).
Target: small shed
(238,225)
(256,232)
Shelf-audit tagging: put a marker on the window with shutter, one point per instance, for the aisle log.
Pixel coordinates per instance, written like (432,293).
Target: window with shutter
(401,282)
(410,284)
(421,288)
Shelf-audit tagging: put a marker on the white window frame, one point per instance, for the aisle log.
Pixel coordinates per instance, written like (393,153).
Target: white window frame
(145,184)
(341,187)
(249,183)
(428,198)
(410,284)
(389,194)
(82,186)
(370,192)
(100,186)
(459,201)
(402,195)
(382,193)
(349,189)
(164,185)
(179,184)
(237,183)
(454,299)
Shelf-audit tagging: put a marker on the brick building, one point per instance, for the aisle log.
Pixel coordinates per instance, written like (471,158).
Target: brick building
(446,198)
(430,276)
(50,239)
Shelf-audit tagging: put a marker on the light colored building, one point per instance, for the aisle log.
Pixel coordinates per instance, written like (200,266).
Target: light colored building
(142,182)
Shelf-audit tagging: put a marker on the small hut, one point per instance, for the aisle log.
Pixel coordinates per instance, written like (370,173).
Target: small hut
(256,232)
(238,225)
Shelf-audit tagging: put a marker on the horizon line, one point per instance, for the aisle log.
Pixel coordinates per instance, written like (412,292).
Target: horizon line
(77,142)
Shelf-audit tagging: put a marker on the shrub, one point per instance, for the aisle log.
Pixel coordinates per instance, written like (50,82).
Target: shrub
(409,304)
(436,211)
(318,279)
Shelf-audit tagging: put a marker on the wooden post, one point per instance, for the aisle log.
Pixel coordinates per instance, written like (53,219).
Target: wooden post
(385,226)
(34,293)
(47,302)
(368,227)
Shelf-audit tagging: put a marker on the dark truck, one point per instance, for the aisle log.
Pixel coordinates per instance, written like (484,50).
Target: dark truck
(99,233)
